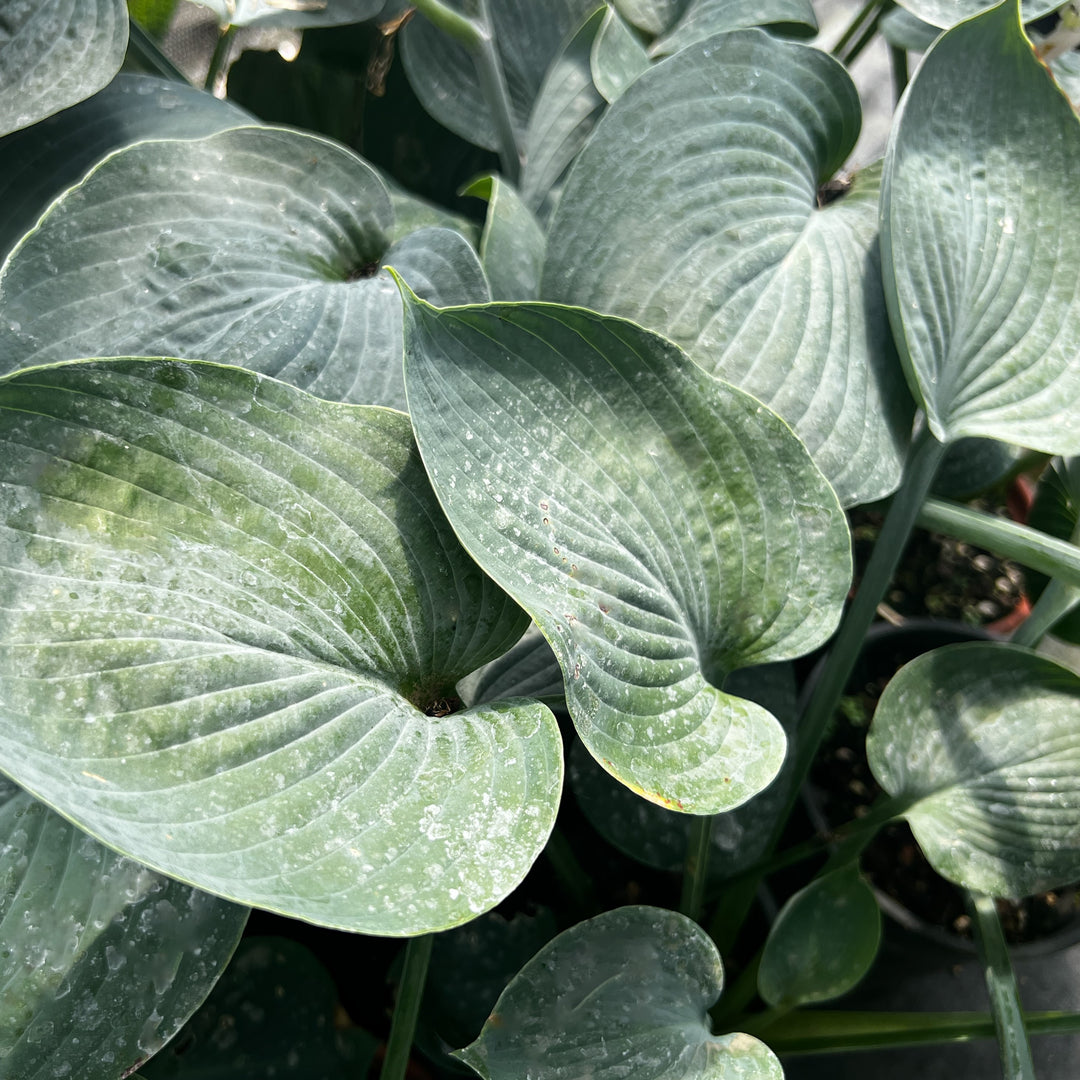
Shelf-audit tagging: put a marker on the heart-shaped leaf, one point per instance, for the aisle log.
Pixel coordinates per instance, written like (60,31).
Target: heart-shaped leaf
(102,959)
(947,13)
(512,245)
(272,1014)
(822,942)
(626,992)
(566,110)
(981,745)
(980,244)
(54,53)
(292,14)
(703,18)
(527,37)
(657,837)
(655,523)
(231,605)
(256,246)
(40,162)
(712,237)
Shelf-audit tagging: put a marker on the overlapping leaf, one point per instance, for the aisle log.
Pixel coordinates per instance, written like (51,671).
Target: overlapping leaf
(227,606)
(703,18)
(712,236)
(102,959)
(529,669)
(662,529)
(512,244)
(54,53)
(947,13)
(256,246)
(527,37)
(981,744)
(40,162)
(980,244)
(625,993)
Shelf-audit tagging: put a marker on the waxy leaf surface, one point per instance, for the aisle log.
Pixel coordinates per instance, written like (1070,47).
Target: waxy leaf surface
(946,13)
(256,246)
(527,37)
(624,994)
(703,18)
(226,607)
(980,242)
(822,942)
(38,163)
(657,837)
(981,744)
(512,244)
(712,236)
(102,960)
(54,53)
(661,528)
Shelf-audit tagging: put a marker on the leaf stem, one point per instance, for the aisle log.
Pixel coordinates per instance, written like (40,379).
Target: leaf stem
(866,37)
(1047,554)
(866,11)
(407,1008)
(452,23)
(819,1031)
(696,870)
(142,46)
(898,58)
(1057,600)
(220,59)
(1004,993)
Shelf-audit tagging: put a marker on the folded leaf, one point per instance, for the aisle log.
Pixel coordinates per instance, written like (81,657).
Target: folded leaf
(712,236)
(981,744)
(54,53)
(233,620)
(625,993)
(257,246)
(703,18)
(980,242)
(661,528)
(102,959)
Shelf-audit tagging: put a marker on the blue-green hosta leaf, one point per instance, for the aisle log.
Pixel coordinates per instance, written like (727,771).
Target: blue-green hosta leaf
(54,53)
(624,994)
(657,837)
(617,58)
(292,14)
(652,16)
(712,236)
(947,13)
(257,246)
(529,669)
(512,244)
(980,244)
(981,742)
(38,163)
(566,110)
(527,35)
(906,31)
(661,528)
(271,1015)
(703,18)
(227,606)
(102,959)
(823,941)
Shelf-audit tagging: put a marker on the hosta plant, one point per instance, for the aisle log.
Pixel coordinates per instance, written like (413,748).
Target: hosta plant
(356,550)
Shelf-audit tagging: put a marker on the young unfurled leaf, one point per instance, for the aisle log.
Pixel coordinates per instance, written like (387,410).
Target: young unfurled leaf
(234,618)
(102,959)
(712,235)
(981,242)
(661,528)
(822,942)
(257,246)
(624,994)
(981,744)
